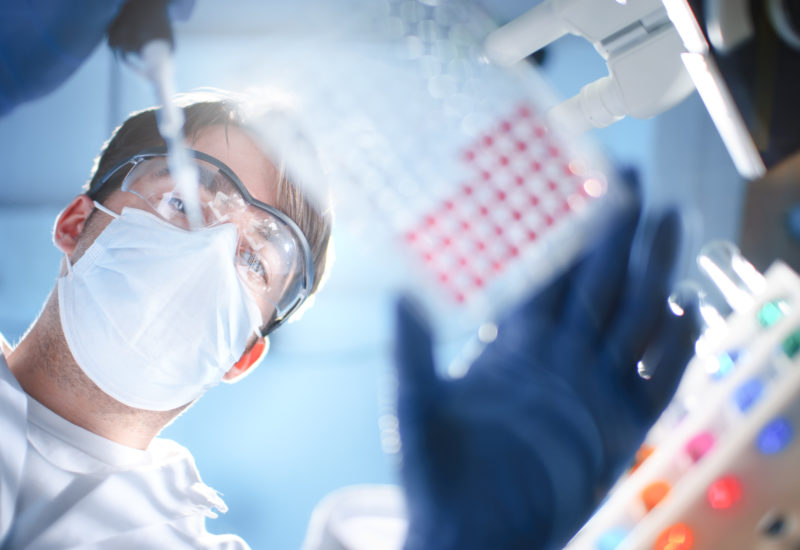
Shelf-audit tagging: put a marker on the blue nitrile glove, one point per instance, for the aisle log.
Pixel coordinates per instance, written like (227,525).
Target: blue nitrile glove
(139,22)
(518,452)
(42,42)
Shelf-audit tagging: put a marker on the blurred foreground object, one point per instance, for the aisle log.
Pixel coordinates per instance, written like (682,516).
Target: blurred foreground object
(770,227)
(359,517)
(517,451)
(744,57)
(45,41)
(447,158)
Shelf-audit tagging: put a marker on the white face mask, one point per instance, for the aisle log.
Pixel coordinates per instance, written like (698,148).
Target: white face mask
(153,314)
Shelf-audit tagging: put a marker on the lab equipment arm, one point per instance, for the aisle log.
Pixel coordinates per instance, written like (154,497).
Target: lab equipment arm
(518,452)
(637,41)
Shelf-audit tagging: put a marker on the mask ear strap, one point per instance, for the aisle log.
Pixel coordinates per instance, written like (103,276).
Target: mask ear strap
(69,264)
(102,208)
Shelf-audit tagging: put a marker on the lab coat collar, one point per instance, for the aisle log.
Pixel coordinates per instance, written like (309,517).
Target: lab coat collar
(75,449)
(165,464)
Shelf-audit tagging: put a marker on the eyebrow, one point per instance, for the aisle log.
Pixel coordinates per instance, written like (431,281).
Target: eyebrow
(212,178)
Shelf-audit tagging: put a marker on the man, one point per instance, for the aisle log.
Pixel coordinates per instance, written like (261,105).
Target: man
(152,308)
(146,316)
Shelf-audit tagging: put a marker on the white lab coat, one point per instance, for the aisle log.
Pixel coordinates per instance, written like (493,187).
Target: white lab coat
(64,487)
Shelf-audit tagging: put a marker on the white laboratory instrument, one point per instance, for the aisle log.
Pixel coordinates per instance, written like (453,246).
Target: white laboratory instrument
(636,39)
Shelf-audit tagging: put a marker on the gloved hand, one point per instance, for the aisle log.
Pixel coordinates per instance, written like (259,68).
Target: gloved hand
(518,452)
(42,42)
(141,21)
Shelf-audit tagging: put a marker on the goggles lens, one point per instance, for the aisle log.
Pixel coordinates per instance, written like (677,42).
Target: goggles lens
(273,256)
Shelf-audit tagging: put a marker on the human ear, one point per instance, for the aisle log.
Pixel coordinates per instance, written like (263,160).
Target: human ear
(70,223)
(248,361)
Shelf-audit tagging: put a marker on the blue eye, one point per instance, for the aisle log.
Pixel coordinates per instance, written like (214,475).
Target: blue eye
(176,204)
(254,264)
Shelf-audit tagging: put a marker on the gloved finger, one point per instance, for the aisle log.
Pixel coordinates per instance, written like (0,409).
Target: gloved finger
(546,304)
(530,326)
(599,282)
(139,22)
(643,310)
(666,360)
(418,386)
(180,10)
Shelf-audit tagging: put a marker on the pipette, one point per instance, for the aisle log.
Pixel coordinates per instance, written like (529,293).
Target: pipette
(157,66)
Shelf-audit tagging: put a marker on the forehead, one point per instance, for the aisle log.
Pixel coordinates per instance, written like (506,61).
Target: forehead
(236,149)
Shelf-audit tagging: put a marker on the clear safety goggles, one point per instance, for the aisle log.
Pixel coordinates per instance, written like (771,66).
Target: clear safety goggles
(273,256)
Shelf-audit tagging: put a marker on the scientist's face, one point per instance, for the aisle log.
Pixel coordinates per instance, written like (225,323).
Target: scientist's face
(261,263)
(151,304)
(81,223)
(258,262)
